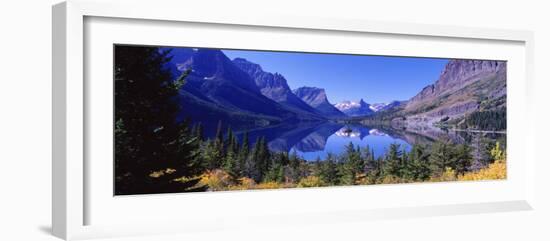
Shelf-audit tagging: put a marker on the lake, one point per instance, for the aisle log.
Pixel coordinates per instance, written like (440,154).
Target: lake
(361,136)
(317,139)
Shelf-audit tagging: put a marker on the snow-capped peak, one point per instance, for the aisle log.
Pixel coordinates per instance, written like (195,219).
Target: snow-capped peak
(378,106)
(346,105)
(361,108)
(354,108)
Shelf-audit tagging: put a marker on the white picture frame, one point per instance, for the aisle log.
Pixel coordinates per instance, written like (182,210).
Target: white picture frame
(73,185)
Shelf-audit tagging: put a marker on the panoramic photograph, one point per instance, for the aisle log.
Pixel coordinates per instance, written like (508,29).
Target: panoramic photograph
(190,119)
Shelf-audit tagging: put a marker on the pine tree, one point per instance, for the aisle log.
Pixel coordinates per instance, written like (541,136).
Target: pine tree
(352,164)
(211,154)
(148,139)
(264,156)
(441,157)
(243,154)
(260,157)
(276,169)
(420,164)
(294,164)
(329,171)
(218,148)
(231,163)
(462,159)
(393,162)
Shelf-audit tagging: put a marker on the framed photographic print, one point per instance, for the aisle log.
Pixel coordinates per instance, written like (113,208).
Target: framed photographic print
(196,120)
(191,119)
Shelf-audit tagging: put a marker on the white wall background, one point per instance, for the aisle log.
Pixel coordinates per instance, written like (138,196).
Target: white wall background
(25,122)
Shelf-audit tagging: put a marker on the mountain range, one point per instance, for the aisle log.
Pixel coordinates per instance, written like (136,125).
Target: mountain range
(217,90)
(241,93)
(275,87)
(463,87)
(361,108)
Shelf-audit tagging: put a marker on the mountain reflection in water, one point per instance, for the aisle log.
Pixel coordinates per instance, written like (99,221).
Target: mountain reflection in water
(312,140)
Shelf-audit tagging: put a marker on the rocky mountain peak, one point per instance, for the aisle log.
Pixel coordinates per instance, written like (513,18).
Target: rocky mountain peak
(273,86)
(317,98)
(311,95)
(355,108)
(457,74)
(464,86)
(247,66)
(214,68)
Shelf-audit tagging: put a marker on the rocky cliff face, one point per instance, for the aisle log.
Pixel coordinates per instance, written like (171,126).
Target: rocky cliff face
(317,98)
(216,69)
(456,75)
(274,86)
(216,89)
(464,86)
(388,106)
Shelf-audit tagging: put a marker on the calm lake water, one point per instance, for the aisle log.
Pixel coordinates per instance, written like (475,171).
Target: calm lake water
(312,140)
(361,136)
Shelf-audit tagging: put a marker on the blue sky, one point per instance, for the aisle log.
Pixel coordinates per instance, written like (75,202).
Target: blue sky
(376,79)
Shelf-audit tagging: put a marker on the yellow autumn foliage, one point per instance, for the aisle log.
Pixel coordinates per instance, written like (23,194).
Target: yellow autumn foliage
(362,179)
(494,171)
(219,180)
(161,173)
(244,183)
(389,179)
(216,180)
(311,181)
(269,185)
(447,176)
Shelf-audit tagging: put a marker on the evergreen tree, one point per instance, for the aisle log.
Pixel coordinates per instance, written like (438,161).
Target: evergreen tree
(276,170)
(148,139)
(441,157)
(211,154)
(294,166)
(261,158)
(367,155)
(493,120)
(352,164)
(243,153)
(393,162)
(264,156)
(218,148)
(231,162)
(420,164)
(462,159)
(329,171)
